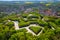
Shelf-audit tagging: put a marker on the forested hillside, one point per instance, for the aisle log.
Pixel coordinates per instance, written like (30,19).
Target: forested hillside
(29,26)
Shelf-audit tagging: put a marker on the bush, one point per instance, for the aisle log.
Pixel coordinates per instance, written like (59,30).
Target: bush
(35,29)
(53,24)
(43,23)
(10,24)
(24,24)
(57,21)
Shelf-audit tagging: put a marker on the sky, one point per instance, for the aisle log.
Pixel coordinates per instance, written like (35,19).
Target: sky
(22,0)
(29,0)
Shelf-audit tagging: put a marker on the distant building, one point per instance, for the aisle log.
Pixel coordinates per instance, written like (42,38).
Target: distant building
(28,10)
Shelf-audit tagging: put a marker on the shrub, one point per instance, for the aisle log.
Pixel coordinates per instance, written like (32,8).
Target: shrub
(10,24)
(24,24)
(35,29)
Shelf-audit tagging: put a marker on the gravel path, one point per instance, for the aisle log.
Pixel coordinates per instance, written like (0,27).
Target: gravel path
(30,31)
(16,25)
(53,28)
(27,28)
(40,31)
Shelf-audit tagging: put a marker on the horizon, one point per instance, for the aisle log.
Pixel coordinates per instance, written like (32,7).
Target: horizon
(30,0)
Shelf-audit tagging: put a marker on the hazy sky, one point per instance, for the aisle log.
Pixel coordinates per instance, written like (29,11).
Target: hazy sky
(22,0)
(29,0)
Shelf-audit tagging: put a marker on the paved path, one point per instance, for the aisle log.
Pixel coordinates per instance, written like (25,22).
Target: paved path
(40,31)
(27,28)
(16,25)
(53,28)
(30,31)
